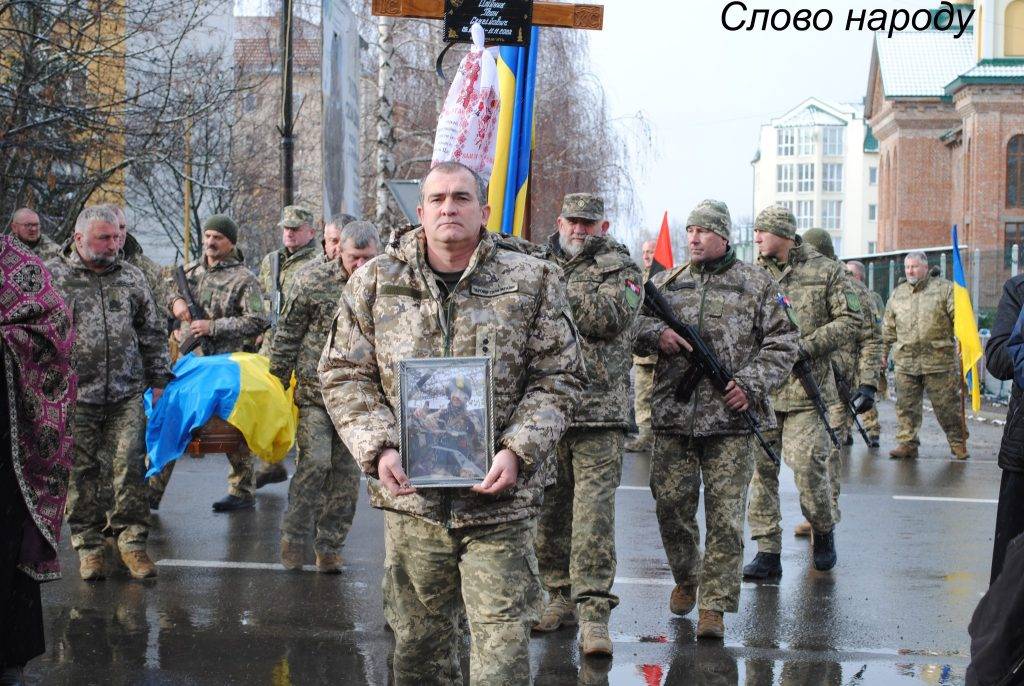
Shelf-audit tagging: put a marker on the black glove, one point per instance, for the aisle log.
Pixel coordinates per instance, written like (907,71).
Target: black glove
(863,400)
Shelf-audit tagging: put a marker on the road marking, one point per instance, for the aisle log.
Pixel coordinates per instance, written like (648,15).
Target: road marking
(227,564)
(635,488)
(935,499)
(634,581)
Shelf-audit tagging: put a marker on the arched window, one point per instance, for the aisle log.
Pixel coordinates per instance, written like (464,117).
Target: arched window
(1013,41)
(1015,172)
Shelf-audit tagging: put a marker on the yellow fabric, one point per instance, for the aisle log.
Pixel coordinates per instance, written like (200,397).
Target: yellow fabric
(264,412)
(966,331)
(503,148)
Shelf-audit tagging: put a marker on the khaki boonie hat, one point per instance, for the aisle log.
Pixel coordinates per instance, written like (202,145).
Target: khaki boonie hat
(712,215)
(294,216)
(778,220)
(583,206)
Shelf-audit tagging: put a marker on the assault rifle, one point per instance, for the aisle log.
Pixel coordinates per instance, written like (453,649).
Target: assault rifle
(805,375)
(275,291)
(195,311)
(846,396)
(703,362)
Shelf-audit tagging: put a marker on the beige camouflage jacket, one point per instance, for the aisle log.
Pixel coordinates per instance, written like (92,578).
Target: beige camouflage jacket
(825,310)
(735,307)
(45,248)
(860,358)
(919,321)
(650,360)
(231,297)
(508,306)
(132,254)
(304,326)
(120,342)
(604,287)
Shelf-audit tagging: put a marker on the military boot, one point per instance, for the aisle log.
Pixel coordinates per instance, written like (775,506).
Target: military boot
(291,555)
(764,566)
(138,563)
(327,563)
(824,551)
(873,441)
(904,451)
(960,452)
(802,530)
(560,611)
(91,567)
(683,598)
(594,639)
(232,503)
(710,624)
(271,474)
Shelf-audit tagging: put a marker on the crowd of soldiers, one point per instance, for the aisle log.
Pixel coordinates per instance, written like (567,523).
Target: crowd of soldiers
(532,546)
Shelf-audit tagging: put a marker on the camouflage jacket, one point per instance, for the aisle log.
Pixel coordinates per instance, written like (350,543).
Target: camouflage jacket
(231,297)
(120,342)
(735,307)
(604,287)
(825,310)
(45,248)
(919,321)
(649,360)
(304,325)
(132,254)
(860,359)
(509,307)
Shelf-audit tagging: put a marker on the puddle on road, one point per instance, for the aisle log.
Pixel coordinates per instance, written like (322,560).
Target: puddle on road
(719,672)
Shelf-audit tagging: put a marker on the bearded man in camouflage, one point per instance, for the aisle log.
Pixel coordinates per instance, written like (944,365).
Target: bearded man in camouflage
(735,307)
(449,290)
(325,487)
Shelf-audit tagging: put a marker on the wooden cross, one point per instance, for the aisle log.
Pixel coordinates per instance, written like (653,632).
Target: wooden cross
(557,14)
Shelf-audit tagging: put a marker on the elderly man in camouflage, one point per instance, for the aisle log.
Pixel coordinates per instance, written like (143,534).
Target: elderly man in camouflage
(448,289)
(643,376)
(325,486)
(300,249)
(869,419)
(736,308)
(233,302)
(826,312)
(919,321)
(25,227)
(120,350)
(576,532)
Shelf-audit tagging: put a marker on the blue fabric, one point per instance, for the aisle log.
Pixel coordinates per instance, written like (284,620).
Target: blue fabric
(202,387)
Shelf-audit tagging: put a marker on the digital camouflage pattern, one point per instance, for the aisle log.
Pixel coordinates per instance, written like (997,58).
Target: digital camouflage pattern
(576,529)
(712,215)
(583,206)
(290,264)
(507,306)
(429,571)
(918,327)
(132,254)
(945,390)
(304,326)
(860,358)
(736,309)
(120,340)
(45,248)
(643,388)
(325,487)
(778,220)
(679,465)
(294,216)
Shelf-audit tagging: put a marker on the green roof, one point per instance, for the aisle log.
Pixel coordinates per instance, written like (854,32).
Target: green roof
(995,71)
(919,64)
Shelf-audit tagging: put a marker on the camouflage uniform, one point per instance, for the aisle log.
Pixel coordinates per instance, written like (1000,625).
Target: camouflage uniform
(325,486)
(919,321)
(45,248)
(643,385)
(133,254)
(231,298)
(290,265)
(120,350)
(576,530)
(735,308)
(511,308)
(870,418)
(826,312)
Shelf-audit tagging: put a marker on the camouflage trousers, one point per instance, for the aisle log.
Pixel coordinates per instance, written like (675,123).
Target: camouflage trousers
(430,571)
(108,490)
(842,423)
(241,476)
(325,487)
(805,448)
(643,387)
(725,465)
(945,390)
(576,529)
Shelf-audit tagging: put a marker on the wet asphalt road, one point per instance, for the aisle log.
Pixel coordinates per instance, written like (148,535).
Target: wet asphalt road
(894,611)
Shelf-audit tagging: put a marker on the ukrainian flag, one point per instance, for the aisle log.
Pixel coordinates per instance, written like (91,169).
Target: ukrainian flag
(239,389)
(510,179)
(965,327)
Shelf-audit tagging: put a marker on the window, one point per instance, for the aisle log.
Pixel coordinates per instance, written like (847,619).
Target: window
(837,245)
(787,141)
(872,176)
(872,213)
(804,214)
(832,140)
(872,247)
(832,178)
(1015,172)
(1014,236)
(784,178)
(805,178)
(805,141)
(832,214)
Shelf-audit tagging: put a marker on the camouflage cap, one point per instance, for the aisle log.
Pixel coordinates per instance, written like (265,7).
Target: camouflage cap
(712,215)
(778,220)
(222,224)
(583,206)
(294,216)
(821,241)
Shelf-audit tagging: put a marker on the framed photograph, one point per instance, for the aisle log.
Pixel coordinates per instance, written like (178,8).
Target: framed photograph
(446,420)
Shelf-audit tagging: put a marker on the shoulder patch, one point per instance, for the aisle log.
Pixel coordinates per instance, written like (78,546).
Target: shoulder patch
(852,301)
(784,303)
(632,291)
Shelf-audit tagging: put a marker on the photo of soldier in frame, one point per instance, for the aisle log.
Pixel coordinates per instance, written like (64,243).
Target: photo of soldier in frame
(446,421)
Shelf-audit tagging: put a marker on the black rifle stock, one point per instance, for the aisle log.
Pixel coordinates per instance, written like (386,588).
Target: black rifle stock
(846,397)
(190,342)
(805,374)
(703,362)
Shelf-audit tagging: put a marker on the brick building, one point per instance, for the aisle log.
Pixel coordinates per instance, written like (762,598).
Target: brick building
(949,118)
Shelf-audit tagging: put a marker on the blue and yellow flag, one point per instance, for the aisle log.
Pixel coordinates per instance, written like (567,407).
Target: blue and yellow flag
(965,327)
(239,389)
(510,179)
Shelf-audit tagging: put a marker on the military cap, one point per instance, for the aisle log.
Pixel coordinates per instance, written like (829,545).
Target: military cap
(712,215)
(223,224)
(583,206)
(294,216)
(821,241)
(778,220)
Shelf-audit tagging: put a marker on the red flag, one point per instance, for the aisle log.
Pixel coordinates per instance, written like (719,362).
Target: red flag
(663,249)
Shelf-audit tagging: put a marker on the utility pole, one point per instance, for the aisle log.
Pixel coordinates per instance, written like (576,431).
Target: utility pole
(286,128)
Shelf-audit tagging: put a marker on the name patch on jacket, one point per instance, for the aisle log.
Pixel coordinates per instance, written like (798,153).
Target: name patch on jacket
(391,289)
(492,290)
